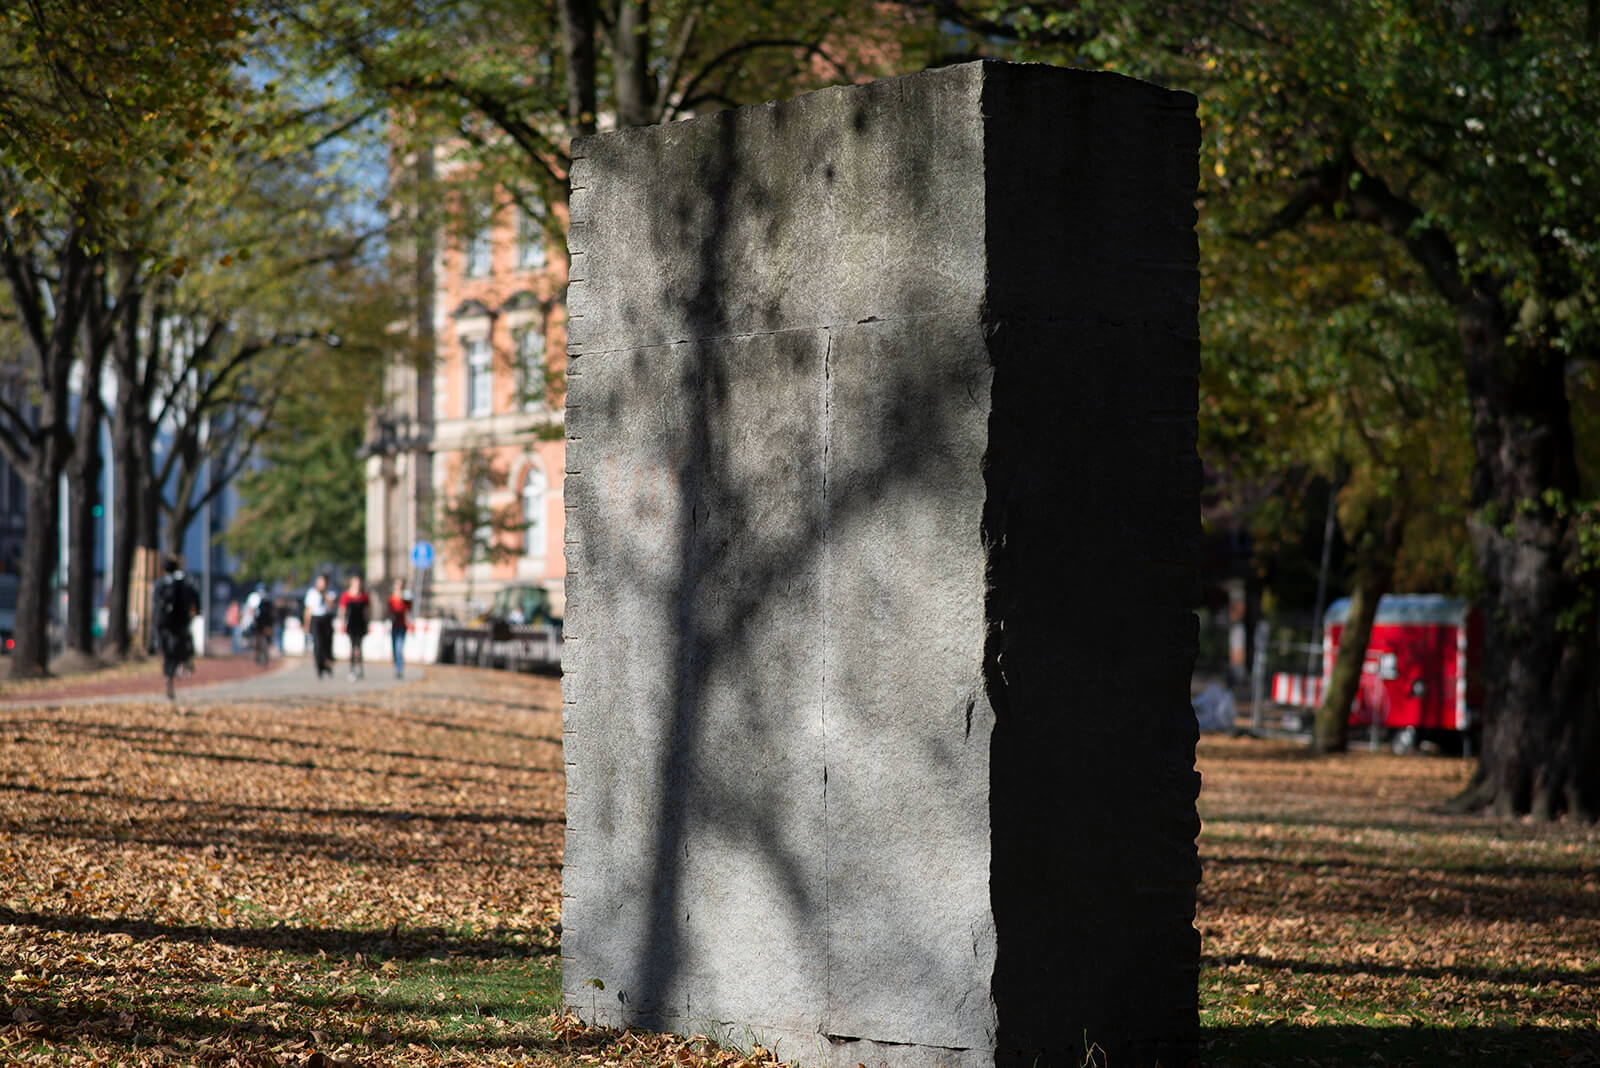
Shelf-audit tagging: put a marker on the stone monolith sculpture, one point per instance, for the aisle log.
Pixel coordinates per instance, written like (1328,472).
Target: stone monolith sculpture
(883,532)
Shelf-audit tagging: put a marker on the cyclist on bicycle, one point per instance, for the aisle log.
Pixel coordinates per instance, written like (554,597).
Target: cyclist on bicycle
(260,615)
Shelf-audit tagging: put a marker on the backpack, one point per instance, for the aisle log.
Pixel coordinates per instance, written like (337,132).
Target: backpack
(172,603)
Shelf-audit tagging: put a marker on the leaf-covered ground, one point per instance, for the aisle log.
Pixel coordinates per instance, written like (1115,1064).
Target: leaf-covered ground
(1343,922)
(378,882)
(280,883)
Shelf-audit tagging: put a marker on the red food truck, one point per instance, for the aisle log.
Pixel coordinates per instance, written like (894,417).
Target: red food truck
(1421,672)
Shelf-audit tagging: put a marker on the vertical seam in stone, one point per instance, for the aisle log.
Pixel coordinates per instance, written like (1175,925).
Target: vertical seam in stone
(826,520)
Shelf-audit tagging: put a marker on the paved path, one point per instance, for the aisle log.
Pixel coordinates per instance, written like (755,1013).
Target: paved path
(220,678)
(297,677)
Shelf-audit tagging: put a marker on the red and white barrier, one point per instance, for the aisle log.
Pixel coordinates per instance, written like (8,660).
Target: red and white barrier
(1299,691)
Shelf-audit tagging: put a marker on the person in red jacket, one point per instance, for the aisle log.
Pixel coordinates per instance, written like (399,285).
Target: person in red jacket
(356,607)
(399,623)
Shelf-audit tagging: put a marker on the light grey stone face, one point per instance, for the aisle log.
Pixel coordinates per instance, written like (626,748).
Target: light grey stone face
(883,526)
(843,205)
(907,719)
(689,817)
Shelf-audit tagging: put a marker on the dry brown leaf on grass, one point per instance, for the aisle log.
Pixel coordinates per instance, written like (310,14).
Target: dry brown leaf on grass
(378,881)
(147,857)
(1337,896)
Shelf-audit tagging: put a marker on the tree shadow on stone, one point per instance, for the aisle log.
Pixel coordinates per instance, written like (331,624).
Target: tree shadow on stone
(787,496)
(730,541)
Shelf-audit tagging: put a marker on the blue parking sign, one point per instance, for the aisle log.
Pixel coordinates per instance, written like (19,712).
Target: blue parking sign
(422,555)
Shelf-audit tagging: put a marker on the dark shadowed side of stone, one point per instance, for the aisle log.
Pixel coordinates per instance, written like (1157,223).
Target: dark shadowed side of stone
(883,521)
(1092,523)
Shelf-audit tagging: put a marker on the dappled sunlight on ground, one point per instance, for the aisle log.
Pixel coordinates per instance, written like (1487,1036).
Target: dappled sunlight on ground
(1346,920)
(374,878)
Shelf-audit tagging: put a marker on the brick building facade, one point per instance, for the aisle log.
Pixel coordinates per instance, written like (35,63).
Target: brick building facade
(497,336)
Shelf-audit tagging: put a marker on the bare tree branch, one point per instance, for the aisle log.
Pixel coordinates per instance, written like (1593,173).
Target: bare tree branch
(25,289)
(245,451)
(983,24)
(18,451)
(1369,199)
(540,158)
(677,57)
(692,91)
(1318,189)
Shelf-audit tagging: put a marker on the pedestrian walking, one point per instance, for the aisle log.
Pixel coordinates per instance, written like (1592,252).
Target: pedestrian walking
(232,617)
(356,607)
(319,612)
(399,623)
(175,603)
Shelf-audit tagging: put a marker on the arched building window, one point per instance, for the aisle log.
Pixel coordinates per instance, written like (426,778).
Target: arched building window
(534,488)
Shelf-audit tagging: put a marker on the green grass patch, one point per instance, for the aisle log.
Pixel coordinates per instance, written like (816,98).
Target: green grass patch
(374,1001)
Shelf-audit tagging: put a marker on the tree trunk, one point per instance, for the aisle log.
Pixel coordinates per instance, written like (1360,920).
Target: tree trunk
(83,476)
(50,309)
(577,41)
(130,414)
(149,532)
(125,517)
(1378,549)
(1541,712)
(422,516)
(179,520)
(124,527)
(83,493)
(150,500)
(30,657)
(1541,715)
(635,88)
